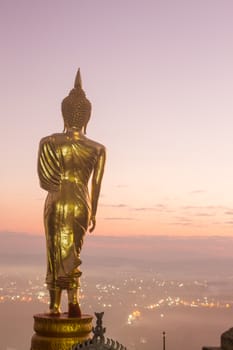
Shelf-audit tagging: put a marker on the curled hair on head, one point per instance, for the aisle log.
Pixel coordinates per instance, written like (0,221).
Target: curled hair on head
(76,112)
(76,108)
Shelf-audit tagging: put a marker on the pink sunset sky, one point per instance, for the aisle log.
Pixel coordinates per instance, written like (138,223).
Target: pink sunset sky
(159,74)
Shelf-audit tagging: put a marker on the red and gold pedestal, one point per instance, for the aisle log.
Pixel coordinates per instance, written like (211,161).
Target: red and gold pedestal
(60,333)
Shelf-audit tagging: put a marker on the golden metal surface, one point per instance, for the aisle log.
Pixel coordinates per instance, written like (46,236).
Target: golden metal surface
(62,326)
(60,333)
(66,163)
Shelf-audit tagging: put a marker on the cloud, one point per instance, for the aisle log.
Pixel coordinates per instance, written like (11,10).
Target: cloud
(181,223)
(206,210)
(191,207)
(163,208)
(197,192)
(160,206)
(216,223)
(204,214)
(199,207)
(119,218)
(121,205)
(183,218)
(144,209)
(157,207)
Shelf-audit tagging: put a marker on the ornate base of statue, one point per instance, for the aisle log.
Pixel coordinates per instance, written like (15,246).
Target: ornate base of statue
(61,332)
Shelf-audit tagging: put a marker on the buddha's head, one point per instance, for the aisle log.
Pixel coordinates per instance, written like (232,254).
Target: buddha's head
(76,108)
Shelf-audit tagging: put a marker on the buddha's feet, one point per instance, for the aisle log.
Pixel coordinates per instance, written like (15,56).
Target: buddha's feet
(54,312)
(74,310)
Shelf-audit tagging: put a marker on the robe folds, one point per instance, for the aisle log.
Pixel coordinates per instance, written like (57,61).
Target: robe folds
(65,165)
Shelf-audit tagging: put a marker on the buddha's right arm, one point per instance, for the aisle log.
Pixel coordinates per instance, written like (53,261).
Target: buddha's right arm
(96,181)
(48,167)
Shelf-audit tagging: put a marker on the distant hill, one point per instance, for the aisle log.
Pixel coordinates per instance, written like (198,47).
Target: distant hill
(169,255)
(140,247)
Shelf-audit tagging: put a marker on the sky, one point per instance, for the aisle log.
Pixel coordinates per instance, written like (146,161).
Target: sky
(159,75)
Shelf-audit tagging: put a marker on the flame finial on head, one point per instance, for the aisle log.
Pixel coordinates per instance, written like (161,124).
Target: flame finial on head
(78,80)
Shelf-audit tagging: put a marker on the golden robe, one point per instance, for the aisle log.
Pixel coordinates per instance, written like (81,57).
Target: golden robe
(65,165)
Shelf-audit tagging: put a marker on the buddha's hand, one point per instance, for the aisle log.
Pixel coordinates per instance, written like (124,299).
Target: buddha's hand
(92,223)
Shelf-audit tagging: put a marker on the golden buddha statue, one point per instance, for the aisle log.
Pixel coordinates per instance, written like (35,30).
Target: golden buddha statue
(66,163)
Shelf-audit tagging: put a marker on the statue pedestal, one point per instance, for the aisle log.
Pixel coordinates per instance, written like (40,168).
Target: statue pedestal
(60,333)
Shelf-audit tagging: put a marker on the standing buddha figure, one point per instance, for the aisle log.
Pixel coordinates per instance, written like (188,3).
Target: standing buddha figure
(66,163)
